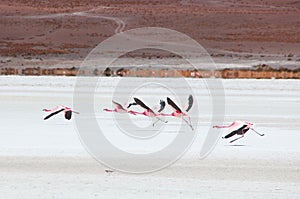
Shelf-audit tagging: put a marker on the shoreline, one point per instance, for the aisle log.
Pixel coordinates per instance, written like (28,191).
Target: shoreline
(260,72)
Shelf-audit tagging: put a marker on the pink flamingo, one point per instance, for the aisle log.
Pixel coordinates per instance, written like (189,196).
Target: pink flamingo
(238,128)
(149,112)
(119,109)
(67,111)
(179,113)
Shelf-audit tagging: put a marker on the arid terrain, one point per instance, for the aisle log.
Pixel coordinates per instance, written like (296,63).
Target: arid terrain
(46,33)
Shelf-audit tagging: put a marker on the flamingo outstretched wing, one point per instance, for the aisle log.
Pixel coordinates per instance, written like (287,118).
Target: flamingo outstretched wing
(54,113)
(139,102)
(236,125)
(68,115)
(132,104)
(119,106)
(190,103)
(171,103)
(161,102)
(238,131)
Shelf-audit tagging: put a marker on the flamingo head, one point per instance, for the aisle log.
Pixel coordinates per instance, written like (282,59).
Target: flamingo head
(67,108)
(249,124)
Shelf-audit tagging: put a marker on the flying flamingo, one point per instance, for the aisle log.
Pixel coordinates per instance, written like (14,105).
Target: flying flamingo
(119,109)
(149,112)
(238,128)
(179,113)
(161,102)
(67,111)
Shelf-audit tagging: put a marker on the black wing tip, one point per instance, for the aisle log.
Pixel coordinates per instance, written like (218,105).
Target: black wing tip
(169,100)
(68,115)
(131,104)
(230,134)
(162,105)
(191,98)
(118,104)
(56,112)
(136,99)
(190,102)
(173,104)
(113,101)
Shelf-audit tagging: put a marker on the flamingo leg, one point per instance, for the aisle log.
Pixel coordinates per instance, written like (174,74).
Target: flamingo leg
(189,119)
(237,138)
(188,123)
(155,122)
(158,119)
(164,121)
(257,132)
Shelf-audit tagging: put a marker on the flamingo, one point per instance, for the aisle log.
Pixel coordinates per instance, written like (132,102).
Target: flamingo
(238,127)
(149,112)
(67,111)
(179,113)
(119,109)
(161,102)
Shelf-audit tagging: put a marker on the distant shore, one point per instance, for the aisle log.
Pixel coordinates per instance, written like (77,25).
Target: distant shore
(258,72)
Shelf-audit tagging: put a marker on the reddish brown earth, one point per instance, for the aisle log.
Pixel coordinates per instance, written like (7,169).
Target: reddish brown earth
(226,28)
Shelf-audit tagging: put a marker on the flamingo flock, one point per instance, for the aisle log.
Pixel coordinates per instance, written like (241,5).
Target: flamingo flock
(238,127)
(148,112)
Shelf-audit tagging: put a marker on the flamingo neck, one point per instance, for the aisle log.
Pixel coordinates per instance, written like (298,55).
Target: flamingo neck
(222,126)
(134,112)
(165,114)
(108,110)
(249,124)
